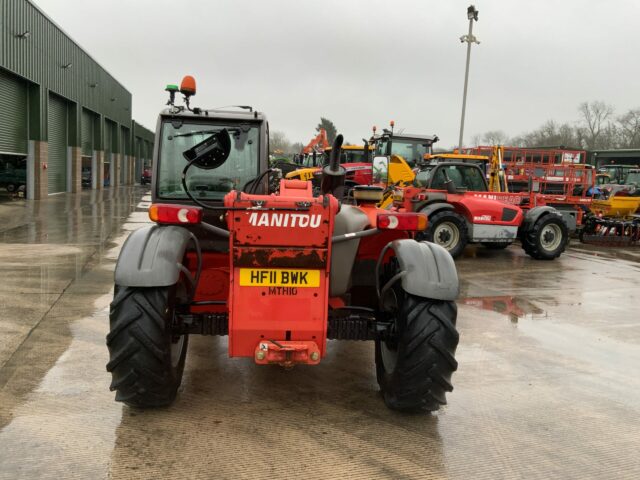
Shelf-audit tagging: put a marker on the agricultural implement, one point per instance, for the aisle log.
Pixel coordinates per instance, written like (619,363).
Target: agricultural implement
(614,221)
(279,274)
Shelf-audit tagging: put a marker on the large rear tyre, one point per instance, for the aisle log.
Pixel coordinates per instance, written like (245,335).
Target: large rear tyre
(447,229)
(415,364)
(146,360)
(547,238)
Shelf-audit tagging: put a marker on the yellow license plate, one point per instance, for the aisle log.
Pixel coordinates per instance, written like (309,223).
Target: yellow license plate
(278,277)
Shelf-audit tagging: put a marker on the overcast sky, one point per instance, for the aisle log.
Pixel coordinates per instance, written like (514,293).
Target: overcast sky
(364,62)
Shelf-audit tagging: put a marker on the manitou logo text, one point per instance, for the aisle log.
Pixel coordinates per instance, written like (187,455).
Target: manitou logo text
(303,220)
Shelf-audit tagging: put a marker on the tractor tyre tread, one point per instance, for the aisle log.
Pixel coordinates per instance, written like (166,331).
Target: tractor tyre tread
(426,356)
(435,219)
(139,343)
(531,241)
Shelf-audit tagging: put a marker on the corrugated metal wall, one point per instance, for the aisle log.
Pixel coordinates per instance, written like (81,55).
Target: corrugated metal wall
(37,60)
(13,114)
(58,142)
(42,56)
(87,132)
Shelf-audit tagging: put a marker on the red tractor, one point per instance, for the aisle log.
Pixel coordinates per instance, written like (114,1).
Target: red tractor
(279,274)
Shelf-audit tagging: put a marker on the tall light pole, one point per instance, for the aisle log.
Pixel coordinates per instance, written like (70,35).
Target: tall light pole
(472,14)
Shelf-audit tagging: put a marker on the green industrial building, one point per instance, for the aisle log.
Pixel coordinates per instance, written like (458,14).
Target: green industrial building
(601,158)
(65,122)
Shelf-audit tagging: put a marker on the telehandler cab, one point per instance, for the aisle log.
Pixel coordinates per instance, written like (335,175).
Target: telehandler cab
(280,274)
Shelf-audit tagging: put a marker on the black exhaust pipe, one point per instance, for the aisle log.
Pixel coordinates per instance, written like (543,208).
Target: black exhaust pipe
(333,174)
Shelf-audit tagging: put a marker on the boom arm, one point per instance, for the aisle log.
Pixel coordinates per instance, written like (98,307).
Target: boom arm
(497,179)
(319,140)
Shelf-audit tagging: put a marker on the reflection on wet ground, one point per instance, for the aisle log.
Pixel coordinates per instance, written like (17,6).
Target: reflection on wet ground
(508,305)
(553,393)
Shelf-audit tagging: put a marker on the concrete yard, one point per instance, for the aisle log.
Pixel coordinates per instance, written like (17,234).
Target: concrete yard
(548,384)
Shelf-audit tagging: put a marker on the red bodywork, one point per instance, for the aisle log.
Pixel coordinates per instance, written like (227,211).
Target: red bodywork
(290,234)
(360,173)
(562,178)
(476,207)
(274,238)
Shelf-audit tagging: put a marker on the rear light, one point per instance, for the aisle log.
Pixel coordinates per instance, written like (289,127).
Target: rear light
(402,221)
(174,214)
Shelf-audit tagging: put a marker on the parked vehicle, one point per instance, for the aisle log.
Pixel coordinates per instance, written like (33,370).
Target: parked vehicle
(279,274)
(461,210)
(12,177)
(145,178)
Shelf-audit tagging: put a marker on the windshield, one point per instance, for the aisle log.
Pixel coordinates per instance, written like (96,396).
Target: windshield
(423,177)
(241,166)
(633,177)
(462,176)
(412,151)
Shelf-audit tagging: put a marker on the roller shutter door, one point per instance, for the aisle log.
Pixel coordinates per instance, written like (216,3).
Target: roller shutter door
(108,140)
(138,154)
(88,136)
(13,114)
(109,127)
(124,151)
(57,163)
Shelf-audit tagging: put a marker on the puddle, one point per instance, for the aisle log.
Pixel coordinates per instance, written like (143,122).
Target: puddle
(512,307)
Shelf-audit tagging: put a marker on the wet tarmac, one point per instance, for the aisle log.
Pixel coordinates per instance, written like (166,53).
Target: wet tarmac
(548,384)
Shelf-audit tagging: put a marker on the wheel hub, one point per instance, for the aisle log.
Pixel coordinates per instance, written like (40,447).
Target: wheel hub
(446,235)
(550,237)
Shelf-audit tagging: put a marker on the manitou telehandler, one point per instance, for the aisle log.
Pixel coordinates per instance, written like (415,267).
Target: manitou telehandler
(454,194)
(279,274)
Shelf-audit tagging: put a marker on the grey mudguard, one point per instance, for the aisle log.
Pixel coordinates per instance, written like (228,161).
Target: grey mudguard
(434,207)
(532,216)
(152,256)
(430,269)
(348,220)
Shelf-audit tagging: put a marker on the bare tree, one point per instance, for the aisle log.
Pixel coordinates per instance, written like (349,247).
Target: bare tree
(495,137)
(279,143)
(296,147)
(594,123)
(629,129)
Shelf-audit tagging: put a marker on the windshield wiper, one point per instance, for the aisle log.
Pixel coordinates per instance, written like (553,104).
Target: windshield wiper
(235,130)
(199,132)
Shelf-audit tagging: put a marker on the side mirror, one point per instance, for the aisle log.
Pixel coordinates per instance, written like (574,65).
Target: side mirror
(210,153)
(381,169)
(451,187)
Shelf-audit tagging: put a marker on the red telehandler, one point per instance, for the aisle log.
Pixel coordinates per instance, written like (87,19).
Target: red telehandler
(279,274)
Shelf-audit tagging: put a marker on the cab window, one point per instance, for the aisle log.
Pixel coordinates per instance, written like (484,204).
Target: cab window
(462,176)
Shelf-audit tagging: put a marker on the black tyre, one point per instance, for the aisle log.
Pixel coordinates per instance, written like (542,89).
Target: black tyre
(415,365)
(547,238)
(146,360)
(496,245)
(11,187)
(447,229)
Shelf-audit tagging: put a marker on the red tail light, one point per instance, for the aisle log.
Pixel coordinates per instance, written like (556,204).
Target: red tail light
(174,214)
(402,221)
